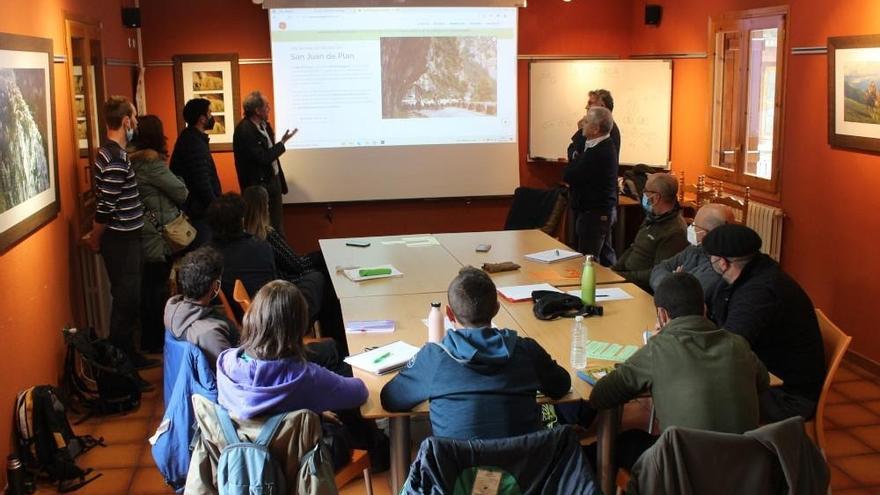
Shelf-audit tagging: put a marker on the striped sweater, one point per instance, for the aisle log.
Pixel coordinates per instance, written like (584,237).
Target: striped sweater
(118,203)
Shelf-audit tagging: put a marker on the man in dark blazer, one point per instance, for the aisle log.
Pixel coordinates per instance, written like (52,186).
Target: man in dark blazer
(256,155)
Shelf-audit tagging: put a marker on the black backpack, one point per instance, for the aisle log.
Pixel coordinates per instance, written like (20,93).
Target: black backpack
(99,375)
(47,445)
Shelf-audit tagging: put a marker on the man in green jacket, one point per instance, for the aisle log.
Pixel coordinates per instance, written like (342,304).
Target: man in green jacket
(699,376)
(662,235)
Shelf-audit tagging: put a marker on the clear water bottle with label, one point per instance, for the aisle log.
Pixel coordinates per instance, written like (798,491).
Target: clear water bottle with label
(579,344)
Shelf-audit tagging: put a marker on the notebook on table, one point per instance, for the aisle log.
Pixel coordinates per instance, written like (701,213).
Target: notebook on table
(383,359)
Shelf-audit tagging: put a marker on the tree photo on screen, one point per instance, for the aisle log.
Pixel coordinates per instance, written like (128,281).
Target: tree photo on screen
(437,77)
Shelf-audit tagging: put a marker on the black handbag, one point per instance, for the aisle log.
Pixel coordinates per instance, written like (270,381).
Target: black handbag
(550,305)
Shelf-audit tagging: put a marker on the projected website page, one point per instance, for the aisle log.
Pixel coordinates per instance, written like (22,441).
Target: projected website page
(357,77)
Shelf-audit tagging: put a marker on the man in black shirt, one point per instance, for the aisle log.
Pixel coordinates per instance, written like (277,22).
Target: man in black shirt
(593,181)
(760,302)
(192,162)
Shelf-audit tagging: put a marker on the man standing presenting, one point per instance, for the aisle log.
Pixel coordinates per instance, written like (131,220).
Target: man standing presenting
(593,181)
(192,162)
(256,155)
(116,230)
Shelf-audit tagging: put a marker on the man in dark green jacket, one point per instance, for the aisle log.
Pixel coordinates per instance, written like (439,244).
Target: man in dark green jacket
(699,376)
(661,236)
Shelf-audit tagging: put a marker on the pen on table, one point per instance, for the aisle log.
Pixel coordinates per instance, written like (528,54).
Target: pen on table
(381,358)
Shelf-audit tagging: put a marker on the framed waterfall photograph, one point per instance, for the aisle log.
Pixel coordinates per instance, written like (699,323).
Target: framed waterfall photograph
(29,193)
(215,78)
(854,92)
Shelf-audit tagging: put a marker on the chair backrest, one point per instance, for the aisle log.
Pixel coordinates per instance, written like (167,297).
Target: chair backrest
(533,208)
(836,343)
(775,458)
(227,310)
(241,296)
(298,434)
(739,205)
(547,461)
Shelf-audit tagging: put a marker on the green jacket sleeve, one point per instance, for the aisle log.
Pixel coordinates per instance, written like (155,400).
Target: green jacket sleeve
(169,184)
(626,382)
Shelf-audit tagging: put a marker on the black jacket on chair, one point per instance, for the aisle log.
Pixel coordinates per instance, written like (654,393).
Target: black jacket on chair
(253,156)
(192,162)
(546,462)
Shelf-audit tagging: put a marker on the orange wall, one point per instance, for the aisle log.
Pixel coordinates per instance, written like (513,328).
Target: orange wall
(828,194)
(36,272)
(545,28)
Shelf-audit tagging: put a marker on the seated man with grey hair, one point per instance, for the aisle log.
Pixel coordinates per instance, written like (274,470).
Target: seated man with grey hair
(662,235)
(256,155)
(694,259)
(592,178)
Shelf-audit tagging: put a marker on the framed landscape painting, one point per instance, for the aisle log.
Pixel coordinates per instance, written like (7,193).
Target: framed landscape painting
(215,78)
(854,92)
(29,194)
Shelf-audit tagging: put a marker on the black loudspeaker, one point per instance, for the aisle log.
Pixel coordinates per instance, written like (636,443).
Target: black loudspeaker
(131,17)
(653,14)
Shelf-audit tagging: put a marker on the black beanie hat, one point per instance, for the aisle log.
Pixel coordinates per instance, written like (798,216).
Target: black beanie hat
(732,241)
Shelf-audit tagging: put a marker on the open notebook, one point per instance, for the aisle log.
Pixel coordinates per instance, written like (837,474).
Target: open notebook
(383,359)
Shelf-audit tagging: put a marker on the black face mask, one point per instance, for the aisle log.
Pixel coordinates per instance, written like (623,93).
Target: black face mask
(210,123)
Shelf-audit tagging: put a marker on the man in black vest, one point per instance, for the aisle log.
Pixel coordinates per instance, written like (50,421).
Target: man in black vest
(256,155)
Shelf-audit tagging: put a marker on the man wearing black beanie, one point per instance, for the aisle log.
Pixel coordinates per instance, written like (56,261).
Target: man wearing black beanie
(760,302)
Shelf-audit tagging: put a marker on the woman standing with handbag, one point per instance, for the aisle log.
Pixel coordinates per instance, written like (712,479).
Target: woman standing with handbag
(162,194)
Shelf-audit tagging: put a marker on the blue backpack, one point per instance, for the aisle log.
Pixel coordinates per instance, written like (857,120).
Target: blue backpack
(175,438)
(248,468)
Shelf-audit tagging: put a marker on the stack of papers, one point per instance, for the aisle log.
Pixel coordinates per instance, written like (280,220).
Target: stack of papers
(609,352)
(369,326)
(383,359)
(609,294)
(517,293)
(355,276)
(553,255)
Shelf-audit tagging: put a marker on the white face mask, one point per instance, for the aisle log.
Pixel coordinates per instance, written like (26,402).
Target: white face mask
(692,235)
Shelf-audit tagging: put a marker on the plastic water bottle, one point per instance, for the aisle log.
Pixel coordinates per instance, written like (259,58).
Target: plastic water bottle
(436,327)
(579,344)
(588,283)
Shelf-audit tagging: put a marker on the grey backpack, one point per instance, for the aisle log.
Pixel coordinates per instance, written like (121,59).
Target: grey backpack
(248,468)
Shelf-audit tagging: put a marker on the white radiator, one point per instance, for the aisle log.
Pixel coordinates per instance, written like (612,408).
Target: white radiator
(767,222)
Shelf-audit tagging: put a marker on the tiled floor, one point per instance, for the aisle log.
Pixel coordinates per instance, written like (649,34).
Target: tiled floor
(852,426)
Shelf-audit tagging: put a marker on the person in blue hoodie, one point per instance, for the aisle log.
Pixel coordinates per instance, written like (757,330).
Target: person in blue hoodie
(482,381)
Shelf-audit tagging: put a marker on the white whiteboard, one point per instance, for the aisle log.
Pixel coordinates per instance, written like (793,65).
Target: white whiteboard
(642,91)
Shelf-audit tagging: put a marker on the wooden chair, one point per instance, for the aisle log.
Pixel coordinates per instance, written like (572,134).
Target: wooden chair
(836,343)
(240,294)
(740,206)
(691,195)
(360,464)
(227,310)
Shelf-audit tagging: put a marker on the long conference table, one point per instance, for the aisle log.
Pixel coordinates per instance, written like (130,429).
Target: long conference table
(428,263)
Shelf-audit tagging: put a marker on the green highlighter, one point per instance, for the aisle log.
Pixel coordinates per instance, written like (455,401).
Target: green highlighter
(372,272)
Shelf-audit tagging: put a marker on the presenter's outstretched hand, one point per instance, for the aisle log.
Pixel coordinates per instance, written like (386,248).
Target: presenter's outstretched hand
(288,134)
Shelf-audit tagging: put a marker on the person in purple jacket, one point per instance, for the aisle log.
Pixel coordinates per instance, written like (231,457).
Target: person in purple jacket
(272,372)
(269,373)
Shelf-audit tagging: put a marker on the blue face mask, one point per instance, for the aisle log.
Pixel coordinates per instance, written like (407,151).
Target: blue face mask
(129,134)
(646,203)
